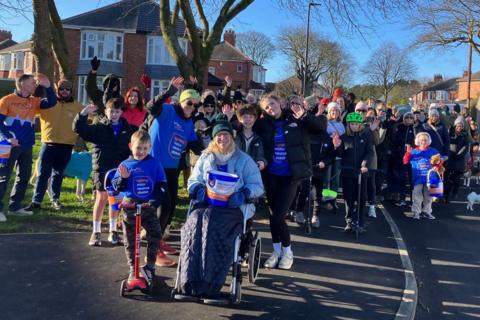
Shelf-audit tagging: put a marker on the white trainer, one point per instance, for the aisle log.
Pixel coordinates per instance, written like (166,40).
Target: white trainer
(315,222)
(272,261)
(299,217)
(371,212)
(286,261)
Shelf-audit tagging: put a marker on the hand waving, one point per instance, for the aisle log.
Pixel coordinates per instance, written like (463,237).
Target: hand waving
(95,63)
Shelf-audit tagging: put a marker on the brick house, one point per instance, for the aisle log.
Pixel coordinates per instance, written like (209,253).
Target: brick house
(437,90)
(228,60)
(474,86)
(125,36)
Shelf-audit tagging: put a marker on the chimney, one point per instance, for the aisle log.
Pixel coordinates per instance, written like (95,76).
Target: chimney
(229,36)
(5,35)
(437,78)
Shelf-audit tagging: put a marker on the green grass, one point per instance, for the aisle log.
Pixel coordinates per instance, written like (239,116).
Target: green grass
(74,216)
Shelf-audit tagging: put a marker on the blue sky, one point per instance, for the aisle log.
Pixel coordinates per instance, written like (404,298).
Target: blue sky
(264,17)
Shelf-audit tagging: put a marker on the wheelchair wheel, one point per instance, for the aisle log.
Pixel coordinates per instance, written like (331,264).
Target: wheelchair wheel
(254,253)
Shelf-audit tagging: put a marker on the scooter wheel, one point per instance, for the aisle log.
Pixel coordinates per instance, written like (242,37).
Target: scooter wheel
(123,288)
(308,228)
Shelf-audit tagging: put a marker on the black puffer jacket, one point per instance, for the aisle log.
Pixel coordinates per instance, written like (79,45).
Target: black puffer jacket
(356,150)
(459,147)
(322,149)
(108,150)
(401,136)
(296,137)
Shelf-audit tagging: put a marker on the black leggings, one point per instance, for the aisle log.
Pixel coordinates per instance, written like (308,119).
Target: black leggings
(280,194)
(350,194)
(170,198)
(452,182)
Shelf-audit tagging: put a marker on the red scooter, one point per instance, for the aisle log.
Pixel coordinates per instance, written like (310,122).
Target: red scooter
(138,282)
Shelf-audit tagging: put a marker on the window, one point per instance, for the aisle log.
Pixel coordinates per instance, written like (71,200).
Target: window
(5,61)
(239,68)
(105,45)
(82,92)
(28,60)
(211,70)
(159,86)
(17,60)
(430,95)
(442,95)
(157,52)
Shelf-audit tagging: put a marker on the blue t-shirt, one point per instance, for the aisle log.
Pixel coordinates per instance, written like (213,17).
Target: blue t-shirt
(170,134)
(116,128)
(279,165)
(420,162)
(144,174)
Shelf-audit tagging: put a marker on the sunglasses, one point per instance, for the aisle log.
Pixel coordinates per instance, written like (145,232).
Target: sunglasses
(361,110)
(208,105)
(64,89)
(190,104)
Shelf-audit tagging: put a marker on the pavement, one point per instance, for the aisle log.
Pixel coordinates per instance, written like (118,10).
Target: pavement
(446,258)
(334,276)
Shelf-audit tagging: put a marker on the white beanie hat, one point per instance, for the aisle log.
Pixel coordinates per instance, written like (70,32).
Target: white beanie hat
(333,105)
(433,112)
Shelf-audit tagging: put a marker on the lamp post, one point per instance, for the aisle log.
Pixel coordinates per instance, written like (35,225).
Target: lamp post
(305,69)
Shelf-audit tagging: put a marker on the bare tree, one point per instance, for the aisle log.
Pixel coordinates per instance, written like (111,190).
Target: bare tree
(292,43)
(13,8)
(341,69)
(448,23)
(256,45)
(386,66)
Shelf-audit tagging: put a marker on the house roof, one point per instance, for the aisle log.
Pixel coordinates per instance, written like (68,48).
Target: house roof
(475,77)
(7,43)
(26,45)
(143,16)
(447,85)
(225,51)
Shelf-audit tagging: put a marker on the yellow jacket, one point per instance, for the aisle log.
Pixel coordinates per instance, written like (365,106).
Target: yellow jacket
(56,123)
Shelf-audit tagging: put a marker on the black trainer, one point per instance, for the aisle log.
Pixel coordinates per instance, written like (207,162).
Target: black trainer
(148,273)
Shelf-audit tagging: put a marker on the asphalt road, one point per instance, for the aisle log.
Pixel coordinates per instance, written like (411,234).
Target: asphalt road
(446,258)
(335,276)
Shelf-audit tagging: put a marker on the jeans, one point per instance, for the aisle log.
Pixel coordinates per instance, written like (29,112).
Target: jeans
(53,159)
(21,159)
(280,194)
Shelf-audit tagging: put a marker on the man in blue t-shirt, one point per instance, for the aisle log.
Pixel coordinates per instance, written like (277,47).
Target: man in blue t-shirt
(141,179)
(172,132)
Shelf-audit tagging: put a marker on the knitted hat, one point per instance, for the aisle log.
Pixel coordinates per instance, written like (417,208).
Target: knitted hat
(238,96)
(407,114)
(333,105)
(209,100)
(459,120)
(189,94)
(222,124)
(64,83)
(433,112)
(325,101)
(456,108)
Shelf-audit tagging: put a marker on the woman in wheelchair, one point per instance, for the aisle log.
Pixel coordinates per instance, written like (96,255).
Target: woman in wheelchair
(210,238)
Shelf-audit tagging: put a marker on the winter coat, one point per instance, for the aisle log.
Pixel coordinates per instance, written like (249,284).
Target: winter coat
(383,148)
(296,137)
(240,164)
(440,137)
(255,150)
(322,150)
(108,150)
(356,151)
(401,136)
(98,96)
(459,148)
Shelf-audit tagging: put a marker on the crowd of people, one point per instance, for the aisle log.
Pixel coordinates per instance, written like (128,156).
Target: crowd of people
(280,147)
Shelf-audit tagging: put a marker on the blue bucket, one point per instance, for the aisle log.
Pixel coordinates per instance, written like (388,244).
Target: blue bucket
(220,187)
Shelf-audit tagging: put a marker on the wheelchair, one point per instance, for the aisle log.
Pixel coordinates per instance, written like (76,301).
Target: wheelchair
(247,253)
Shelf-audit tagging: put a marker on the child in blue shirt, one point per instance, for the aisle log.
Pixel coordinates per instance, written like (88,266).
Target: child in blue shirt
(141,179)
(419,158)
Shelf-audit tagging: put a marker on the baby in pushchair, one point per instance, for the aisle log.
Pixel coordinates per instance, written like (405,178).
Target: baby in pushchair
(221,186)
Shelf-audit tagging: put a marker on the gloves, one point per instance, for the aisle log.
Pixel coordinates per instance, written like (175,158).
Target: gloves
(199,193)
(238,198)
(146,81)
(95,63)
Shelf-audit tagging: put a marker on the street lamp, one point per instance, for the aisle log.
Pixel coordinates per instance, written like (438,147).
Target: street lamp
(310,5)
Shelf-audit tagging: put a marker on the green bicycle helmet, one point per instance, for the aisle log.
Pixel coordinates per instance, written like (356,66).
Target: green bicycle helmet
(355,117)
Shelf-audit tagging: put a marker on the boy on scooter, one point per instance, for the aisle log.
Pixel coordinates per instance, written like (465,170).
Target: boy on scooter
(141,179)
